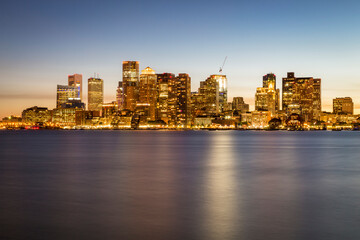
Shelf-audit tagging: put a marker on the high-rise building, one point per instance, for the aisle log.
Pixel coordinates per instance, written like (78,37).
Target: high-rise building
(343,105)
(183,86)
(214,88)
(302,96)
(165,99)
(148,93)
(120,96)
(287,90)
(76,81)
(64,93)
(130,84)
(95,94)
(267,97)
(269,81)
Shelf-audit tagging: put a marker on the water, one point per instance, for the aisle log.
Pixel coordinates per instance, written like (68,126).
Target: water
(179,185)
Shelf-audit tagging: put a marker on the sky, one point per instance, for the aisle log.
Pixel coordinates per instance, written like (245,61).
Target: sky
(42,42)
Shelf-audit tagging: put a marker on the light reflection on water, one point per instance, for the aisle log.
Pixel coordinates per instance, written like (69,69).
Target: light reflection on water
(179,185)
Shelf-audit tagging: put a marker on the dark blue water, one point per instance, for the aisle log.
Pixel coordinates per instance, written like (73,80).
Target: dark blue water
(179,185)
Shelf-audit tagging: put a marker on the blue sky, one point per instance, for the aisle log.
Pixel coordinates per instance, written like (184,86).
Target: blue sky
(42,42)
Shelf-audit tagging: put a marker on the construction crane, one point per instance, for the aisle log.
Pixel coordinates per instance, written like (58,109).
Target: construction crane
(221,68)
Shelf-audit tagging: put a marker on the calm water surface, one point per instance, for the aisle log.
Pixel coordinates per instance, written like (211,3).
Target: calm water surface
(179,185)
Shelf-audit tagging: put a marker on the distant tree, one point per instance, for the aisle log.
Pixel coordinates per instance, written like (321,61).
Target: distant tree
(274,123)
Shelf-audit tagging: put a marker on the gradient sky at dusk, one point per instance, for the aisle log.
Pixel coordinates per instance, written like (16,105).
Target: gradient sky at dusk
(42,42)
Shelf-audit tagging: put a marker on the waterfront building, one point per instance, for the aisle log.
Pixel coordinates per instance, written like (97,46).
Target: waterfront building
(198,105)
(147,94)
(239,104)
(63,93)
(75,80)
(95,94)
(214,88)
(267,98)
(36,115)
(130,84)
(302,96)
(343,105)
(165,98)
(183,95)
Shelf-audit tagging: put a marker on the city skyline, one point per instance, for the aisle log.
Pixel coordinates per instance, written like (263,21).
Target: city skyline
(314,39)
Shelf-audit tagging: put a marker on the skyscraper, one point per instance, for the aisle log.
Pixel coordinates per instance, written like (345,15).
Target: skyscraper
(165,100)
(148,92)
(269,81)
(214,88)
(130,84)
(95,94)
(64,93)
(343,105)
(183,86)
(76,81)
(302,96)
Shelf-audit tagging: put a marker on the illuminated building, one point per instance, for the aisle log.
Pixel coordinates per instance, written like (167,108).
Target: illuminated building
(214,88)
(239,104)
(267,97)
(147,94)
(317,99)
(269,81)
(120,96)
(130,84)
(287,90)
(302,96)
(66,114)
(198,104)
(343,105)
(64,93)
(36,115)
(108,111)
(165,98)
(95,94)
(183,88)
(76,81)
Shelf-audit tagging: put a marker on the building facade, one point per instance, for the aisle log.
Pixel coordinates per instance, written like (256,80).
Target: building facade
(75,80)
(95,94)
(343,105)
(130,84)
(64,93)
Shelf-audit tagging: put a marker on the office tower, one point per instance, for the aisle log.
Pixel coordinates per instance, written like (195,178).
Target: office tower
(130,84)
(183,86)
(76,81)
(120,96)
(214,88)
(267,97)
(148,93)
(239,105)
(269,81)
(343,106)
(317,99)
(302,96)
(165,98)
(63,93)
(95,94)
(287,90)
